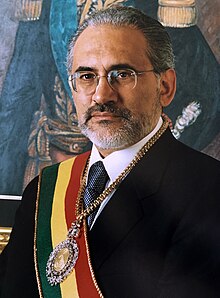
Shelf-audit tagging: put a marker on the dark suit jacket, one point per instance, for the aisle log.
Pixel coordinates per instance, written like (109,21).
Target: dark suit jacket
(159,236)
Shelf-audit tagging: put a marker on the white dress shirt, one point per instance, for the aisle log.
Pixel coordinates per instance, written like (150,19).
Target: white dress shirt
(117,161)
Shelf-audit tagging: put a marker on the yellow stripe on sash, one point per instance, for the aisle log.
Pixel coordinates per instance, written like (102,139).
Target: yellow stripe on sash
(58,222)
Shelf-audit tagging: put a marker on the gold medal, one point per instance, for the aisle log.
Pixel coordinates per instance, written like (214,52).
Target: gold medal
(63,258)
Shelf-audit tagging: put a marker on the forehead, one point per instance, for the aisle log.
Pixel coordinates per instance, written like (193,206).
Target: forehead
(107,45)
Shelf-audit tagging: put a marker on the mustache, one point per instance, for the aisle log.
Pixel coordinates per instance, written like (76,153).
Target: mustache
(110,108)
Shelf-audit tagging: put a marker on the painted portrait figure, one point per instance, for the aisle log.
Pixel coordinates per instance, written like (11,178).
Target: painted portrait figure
(38,123)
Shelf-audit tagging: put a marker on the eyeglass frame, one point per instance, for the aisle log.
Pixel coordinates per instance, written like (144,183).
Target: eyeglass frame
(97,77)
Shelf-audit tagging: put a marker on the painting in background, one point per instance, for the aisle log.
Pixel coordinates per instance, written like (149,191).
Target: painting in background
(38,123)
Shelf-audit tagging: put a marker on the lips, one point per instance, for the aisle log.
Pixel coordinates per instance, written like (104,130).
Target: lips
(104,116)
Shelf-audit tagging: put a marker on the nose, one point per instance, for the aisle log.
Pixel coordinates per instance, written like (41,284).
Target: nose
(104,92)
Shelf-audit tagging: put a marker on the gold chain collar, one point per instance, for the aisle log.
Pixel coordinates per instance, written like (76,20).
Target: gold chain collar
(68,248)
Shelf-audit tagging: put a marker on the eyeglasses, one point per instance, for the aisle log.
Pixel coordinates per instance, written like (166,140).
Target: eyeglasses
(118,80)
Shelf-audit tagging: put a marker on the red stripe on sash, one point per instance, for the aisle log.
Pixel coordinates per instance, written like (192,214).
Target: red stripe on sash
(73,187)
(85,283)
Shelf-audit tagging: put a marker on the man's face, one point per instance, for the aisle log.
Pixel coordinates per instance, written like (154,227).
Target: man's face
(111,119)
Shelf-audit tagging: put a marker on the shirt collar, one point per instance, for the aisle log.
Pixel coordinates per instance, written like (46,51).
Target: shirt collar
(117,161)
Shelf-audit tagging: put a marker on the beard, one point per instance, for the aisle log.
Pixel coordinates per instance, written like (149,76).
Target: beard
(132,129)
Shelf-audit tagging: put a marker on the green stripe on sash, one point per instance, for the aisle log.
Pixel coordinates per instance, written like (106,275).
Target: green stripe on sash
(44,243)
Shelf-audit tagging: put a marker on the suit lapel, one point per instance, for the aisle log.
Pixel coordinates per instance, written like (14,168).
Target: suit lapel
(124,210)
(118,217)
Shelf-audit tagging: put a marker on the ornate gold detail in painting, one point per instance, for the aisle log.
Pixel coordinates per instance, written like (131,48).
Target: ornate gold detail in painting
(85,7)
(177,13)
(48,135)
(28,10)
(4,237)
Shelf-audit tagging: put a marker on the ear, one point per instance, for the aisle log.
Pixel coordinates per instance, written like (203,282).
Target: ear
(167,87)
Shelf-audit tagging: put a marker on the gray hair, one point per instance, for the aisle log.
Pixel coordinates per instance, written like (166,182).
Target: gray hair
(159,49)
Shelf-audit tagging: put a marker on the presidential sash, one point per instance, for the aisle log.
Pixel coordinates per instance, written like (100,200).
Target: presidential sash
(55,211)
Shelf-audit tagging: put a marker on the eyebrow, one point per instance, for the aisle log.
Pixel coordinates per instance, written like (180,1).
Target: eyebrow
(112,67)
(84,68)
(121,66)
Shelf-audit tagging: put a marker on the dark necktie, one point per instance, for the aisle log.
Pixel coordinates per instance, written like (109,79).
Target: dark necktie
(97,179)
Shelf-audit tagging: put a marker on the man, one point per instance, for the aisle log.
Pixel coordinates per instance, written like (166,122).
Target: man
(155,229)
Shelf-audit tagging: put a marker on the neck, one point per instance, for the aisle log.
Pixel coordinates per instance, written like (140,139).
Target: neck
(106,152)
